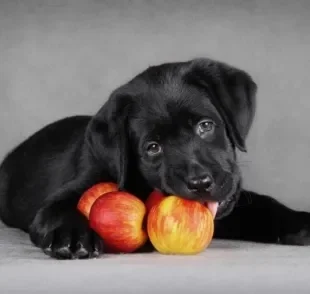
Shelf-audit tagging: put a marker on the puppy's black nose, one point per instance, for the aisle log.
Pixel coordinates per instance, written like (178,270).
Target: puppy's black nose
(203,183)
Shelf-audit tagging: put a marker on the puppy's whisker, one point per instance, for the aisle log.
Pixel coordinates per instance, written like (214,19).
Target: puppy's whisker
(243,165)
(244,161)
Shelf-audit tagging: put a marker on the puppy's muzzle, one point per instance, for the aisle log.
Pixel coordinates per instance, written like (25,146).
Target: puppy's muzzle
(200,183)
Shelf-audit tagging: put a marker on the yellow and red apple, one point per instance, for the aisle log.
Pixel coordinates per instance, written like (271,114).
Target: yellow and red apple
(180,226)
(117,217)
(92,194)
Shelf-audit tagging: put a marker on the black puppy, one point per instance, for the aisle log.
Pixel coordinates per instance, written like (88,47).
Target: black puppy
(174,127)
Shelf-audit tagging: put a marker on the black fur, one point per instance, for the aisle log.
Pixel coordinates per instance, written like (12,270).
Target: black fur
(174,127)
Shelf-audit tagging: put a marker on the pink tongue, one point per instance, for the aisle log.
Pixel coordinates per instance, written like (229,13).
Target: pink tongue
(213,206)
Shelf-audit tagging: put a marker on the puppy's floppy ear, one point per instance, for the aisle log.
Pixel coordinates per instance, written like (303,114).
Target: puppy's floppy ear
(107,136)
(233,93)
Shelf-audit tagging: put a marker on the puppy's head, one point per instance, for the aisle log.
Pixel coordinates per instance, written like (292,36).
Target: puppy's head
(180,124)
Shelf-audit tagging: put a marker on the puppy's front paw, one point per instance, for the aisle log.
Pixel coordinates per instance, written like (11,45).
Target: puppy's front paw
(297,231)
(64,234)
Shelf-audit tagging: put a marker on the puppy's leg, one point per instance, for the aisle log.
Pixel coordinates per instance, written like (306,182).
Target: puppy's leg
(61,230)
(260,218)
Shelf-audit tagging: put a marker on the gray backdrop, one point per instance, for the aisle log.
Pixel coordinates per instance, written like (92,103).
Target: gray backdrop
(61,58)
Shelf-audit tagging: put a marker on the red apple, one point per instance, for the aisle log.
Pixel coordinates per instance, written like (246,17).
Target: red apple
(180,226)
(117,217)
(92,194)
(154,198)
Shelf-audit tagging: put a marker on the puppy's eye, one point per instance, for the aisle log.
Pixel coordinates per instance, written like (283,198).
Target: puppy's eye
(153,148)
(205,127)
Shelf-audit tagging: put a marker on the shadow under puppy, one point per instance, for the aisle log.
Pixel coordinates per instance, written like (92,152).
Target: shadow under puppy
(174,127)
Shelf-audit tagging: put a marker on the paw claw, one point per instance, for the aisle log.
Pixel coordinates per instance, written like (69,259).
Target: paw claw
(82,253)
(63,253)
